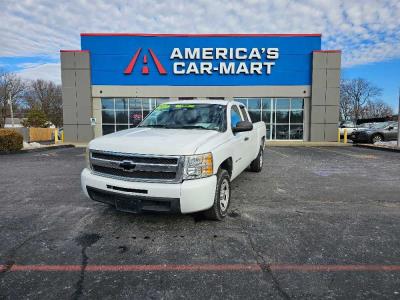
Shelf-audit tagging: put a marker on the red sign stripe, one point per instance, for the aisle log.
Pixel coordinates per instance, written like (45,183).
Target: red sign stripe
(145,70)
(132,63)
(159,66)
(206,34)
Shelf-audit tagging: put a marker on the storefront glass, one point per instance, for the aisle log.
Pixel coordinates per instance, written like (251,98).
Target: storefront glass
(283,117)
(123,113)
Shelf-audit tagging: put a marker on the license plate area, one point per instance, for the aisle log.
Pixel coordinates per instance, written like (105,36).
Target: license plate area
(134,203)
(127,204)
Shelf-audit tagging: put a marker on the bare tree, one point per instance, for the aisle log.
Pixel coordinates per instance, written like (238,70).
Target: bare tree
(11,87)
(345,105)
(358,92)
(46,96)
(376,109)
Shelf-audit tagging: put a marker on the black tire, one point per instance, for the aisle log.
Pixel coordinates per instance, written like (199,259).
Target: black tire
(257,164)
(216,212)
(376,138)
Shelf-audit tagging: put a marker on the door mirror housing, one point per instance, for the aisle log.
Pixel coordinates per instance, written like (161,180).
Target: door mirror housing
(390,128)
(242,126)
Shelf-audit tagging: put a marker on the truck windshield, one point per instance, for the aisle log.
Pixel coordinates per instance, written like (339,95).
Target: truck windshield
(187,116)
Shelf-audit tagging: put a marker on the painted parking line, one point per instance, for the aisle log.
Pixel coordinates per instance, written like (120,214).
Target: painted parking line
(202,268)
(347,153)
(276,152)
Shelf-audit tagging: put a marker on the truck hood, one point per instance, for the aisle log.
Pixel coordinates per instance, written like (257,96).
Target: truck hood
(157,141)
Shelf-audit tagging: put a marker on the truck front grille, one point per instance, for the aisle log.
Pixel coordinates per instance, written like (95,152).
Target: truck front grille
(136,159)
(135,167)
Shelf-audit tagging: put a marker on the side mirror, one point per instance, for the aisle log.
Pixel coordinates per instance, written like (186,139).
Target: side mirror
(390,128)
(243,126)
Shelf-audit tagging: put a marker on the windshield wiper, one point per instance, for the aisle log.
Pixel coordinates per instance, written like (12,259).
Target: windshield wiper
(189,127)
(154,125)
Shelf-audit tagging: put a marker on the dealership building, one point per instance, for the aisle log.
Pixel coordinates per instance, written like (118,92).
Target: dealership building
(285,80)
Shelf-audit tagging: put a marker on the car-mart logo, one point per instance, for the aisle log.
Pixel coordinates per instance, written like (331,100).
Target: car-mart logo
(224,61)
(145,68)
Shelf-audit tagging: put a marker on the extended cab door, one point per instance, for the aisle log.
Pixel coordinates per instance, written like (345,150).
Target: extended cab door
(250,138)
(239,143)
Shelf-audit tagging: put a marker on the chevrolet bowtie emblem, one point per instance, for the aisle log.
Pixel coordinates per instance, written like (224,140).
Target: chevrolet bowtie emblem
(127,165)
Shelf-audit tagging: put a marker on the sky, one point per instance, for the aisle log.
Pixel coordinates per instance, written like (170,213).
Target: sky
(32,32)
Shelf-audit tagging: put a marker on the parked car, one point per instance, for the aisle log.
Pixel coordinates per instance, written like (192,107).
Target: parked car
(181,158)
(350,127)
(386,131)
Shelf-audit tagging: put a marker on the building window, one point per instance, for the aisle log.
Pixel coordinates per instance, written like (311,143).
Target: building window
(283,117)
(123,113)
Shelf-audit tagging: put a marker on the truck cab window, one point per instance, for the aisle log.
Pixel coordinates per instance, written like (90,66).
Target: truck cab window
(244,114)
(235,116)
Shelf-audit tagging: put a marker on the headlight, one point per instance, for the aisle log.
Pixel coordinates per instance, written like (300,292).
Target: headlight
(87,158)
(198,166)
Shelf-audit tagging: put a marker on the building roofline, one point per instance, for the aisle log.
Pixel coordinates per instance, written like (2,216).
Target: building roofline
(207,34)
(74,50)
(328,51)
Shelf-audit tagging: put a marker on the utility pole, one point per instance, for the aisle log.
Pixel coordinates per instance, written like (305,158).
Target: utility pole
(11,110)
(398,122)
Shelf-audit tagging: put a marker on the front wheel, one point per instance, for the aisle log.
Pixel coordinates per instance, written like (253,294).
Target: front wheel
(257,164)
(222,197)
(376,138)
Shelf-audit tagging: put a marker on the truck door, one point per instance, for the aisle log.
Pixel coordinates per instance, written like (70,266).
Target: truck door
(239,143)
(251,143)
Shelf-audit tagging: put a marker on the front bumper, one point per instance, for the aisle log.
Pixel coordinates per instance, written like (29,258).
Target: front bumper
(186,197)
(357,138)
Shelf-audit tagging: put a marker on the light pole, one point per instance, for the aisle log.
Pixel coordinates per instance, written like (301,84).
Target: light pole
(11,110)
(398,122)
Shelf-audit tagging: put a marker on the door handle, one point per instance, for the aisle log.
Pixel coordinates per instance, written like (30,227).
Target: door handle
(246,138)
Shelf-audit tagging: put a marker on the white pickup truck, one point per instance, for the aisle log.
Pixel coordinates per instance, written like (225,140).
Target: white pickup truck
(181,158)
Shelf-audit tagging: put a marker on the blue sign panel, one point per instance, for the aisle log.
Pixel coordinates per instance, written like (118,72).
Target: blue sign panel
(200,60)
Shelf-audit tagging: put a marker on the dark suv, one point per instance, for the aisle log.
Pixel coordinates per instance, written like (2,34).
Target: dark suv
(386,131)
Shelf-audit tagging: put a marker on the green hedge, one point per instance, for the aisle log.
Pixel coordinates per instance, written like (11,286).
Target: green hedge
(10,140)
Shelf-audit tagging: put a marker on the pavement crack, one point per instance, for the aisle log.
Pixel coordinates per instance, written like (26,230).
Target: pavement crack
(267,271)
(79,285)
(266,268)
(11,253)
(7,266)
(85,240)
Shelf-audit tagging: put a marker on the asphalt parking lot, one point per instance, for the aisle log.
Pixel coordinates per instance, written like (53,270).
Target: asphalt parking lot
(315,223)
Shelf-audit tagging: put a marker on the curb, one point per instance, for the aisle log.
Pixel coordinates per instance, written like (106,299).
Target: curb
(382,148)
(41,149)
(305,144)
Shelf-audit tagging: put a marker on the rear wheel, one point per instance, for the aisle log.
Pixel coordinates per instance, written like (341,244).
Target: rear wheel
(376,138)
(222,197)
(257,164)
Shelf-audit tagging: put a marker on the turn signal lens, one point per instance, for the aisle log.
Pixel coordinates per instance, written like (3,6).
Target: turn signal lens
(198,166)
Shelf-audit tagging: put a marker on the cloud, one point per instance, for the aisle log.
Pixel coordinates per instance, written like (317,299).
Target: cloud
(367,31)
(46,71)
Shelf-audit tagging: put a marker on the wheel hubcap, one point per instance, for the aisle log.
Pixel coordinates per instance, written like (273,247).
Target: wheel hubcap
(224,195)
(261,160)
(377,139)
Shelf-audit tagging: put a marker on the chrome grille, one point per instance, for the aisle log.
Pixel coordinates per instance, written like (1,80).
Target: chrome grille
(136,167)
